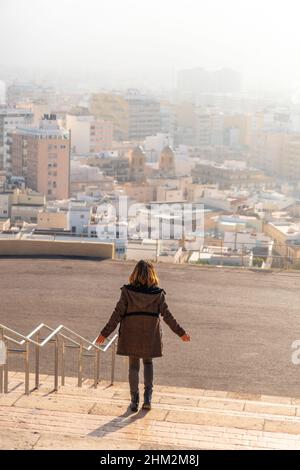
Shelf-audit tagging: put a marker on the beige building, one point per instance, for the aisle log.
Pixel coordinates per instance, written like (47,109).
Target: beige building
(42,156)
(277,153)
(165,194)
(113,108)
(140,192)
(53,220)
(195,192)
(267,150)
(27,198)
(242,124)
(227,174)
(89,134)
(286,238)
(25,205)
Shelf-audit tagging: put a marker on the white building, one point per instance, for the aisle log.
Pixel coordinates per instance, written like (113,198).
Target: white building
(89,134)
(10,119)
(79,216)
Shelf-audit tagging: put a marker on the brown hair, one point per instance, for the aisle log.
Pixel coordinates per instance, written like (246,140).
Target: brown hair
(144,274)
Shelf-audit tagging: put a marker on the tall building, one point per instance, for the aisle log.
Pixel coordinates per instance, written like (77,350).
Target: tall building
(10,119)
(143,114)
(167,118)
(42,156)
(89,134)
(114,108)
(134,115)
(290,160)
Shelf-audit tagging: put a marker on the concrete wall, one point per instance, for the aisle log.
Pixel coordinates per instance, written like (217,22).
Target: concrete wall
(56,248)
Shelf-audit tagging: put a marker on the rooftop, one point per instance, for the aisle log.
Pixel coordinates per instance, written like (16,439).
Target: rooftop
(242,323)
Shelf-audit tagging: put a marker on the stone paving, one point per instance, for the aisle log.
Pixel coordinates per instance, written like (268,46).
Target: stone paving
(181,418)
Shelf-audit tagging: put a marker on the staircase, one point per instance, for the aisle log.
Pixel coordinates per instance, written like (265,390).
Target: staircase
(181,418)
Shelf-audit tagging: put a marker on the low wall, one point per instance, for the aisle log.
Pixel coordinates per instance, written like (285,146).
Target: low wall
(56,248)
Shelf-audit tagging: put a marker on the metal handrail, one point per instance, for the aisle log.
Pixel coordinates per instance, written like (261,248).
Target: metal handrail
(62,327)
(57,336)
(24,338)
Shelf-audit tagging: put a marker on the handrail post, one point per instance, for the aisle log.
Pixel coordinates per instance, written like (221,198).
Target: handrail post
(27,367)
(80,365)
(56,359)
(1,367)
(6,370)
(113,362)
(63,363)
(95,370)
(37,362)
(97,367)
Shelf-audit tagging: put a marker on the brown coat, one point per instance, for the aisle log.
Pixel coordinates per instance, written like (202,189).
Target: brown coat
(138,312)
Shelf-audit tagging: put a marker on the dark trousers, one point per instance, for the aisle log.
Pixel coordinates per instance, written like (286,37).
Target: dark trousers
(134,369)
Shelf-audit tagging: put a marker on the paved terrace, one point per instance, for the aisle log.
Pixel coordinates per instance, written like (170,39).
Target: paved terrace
(242,323)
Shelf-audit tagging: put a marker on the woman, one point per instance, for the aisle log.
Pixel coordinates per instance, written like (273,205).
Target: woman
(140,334)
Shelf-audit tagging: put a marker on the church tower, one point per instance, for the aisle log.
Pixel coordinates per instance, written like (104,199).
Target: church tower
(137,160)
(167,162)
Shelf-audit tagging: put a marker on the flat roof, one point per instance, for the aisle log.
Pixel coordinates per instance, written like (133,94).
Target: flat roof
(242,323)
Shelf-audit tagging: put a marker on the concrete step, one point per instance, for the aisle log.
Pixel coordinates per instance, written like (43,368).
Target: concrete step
(181,418)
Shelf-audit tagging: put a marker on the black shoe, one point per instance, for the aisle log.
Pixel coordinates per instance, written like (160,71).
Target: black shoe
(147,398)
(135,398)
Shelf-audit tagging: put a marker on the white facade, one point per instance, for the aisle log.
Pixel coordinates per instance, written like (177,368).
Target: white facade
(80,127)
(10,119)
(79,216)
(89,134)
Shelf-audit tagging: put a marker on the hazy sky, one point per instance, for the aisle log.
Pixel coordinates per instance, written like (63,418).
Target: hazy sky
(151,39)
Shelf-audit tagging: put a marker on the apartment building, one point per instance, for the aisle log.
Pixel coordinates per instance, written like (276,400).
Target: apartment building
(42,156)
(89,134)
(143,115)
(112,107)
(10,119)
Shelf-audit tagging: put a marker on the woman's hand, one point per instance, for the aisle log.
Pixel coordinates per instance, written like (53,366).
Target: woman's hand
(100,339)
(185,338)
